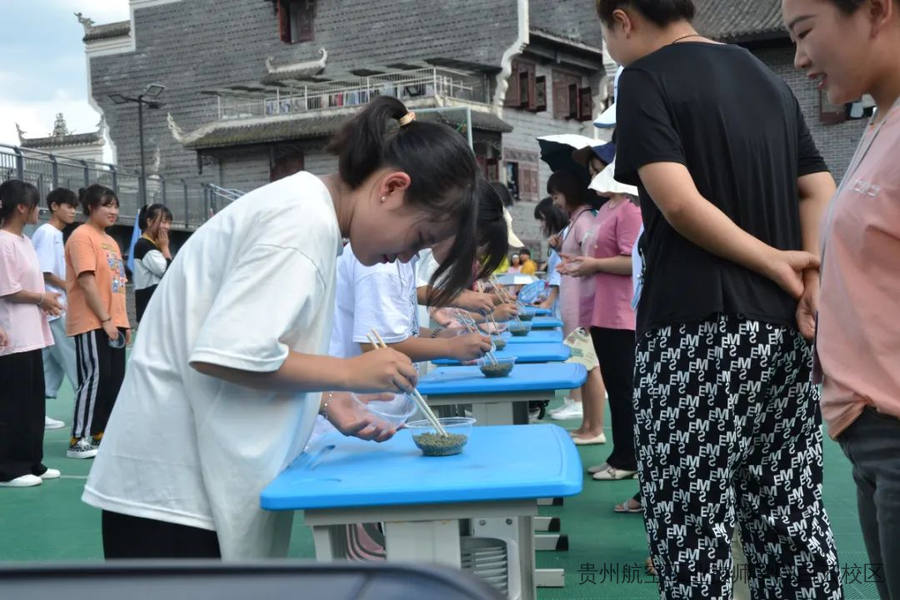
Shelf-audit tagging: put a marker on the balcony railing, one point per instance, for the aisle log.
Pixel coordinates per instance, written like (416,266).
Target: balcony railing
(405,85)
(191,202)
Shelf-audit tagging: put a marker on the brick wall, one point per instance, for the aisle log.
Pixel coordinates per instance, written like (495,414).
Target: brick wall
(196,45)
(836,142)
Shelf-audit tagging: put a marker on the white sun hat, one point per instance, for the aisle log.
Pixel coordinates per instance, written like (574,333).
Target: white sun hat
(605,183)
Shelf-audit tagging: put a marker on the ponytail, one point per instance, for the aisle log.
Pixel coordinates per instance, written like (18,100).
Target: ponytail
(441,168)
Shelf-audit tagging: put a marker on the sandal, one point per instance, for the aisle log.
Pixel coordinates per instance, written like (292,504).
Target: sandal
(629,506)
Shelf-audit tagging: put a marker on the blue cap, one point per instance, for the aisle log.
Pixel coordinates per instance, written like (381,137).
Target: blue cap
(606,152)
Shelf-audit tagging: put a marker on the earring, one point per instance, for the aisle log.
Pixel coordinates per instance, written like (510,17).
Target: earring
(383,199)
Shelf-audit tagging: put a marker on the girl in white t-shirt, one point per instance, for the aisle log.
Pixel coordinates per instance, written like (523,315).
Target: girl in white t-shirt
(222,389)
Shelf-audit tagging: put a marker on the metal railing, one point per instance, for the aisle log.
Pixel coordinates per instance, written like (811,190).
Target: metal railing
(191,202)
(405,85)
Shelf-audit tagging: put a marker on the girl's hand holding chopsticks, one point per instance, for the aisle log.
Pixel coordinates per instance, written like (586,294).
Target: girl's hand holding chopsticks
(382,370)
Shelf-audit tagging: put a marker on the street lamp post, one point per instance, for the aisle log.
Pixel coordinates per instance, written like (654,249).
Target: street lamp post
(151,91)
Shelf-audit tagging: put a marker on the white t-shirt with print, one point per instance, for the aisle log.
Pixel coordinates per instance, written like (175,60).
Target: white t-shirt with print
(253,284)
(51,252)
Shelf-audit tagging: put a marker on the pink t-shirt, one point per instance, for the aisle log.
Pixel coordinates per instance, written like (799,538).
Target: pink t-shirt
(618,224)
(858,340)
(576,295)
(25,324)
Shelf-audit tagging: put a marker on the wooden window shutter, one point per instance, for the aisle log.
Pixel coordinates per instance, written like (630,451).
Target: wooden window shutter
(524,88)
(284,21)
(585,104)
(572,93)
(532,99)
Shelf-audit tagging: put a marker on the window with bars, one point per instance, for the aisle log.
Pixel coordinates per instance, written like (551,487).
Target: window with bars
(296,20)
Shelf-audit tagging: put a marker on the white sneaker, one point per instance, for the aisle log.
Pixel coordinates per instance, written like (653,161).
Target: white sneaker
(566,413)
(613,474)
(23,481)
(50,474)
(567,402)
(82,448)
(50,423)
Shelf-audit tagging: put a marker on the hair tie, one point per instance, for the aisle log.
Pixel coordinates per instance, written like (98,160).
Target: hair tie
(406,119)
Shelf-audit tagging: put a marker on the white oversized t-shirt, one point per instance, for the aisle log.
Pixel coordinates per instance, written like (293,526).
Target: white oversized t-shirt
(51,252)
(252,284)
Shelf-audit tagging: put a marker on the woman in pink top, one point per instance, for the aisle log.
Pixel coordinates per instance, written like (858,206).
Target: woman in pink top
(576,300)
(608,264)
(852,47)
(23,303)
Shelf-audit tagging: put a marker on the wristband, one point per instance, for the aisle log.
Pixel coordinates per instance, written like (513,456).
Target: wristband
(436,331)
(41,301)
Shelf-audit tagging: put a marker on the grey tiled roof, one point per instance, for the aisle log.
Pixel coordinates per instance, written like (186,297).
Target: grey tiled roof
(109,30)
(257,131)
(64,140)
(740,20)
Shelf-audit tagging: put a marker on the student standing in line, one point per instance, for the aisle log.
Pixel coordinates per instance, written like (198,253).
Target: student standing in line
(222,388)
(59,359)
(576,301)
(23,302)
(152,255)
(732,190)
(851,48)
(97,318)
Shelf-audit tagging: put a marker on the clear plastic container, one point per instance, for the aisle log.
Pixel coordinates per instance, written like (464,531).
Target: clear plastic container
(499,368)
(499,342)
(396,411)
(431,443)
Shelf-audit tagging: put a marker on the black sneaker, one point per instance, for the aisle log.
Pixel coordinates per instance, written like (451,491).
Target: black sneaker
(82,448)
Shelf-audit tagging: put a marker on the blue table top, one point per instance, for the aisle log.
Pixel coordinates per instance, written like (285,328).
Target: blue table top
(535,336)
(545,323)
(534,310)
(445,381)
(508,462)
(525,353)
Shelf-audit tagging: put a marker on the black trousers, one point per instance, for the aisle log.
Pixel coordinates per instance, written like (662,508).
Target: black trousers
(101,370)
(22,412)
(615,351)
(125,536)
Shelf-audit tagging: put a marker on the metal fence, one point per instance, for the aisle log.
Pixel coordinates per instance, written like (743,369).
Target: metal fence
(405,85)
(191,202)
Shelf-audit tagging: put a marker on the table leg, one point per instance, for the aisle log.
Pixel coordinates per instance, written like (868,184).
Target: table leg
(326,548)
(423,541)
(520,531)
(494,413)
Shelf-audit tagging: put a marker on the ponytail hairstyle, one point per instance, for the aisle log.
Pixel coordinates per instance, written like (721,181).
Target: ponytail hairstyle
(553,218)
(96,195)
(493,241)
(441,168)
(150,212)
(16,192)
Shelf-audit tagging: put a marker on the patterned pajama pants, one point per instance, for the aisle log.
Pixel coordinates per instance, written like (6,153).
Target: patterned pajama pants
(728,434)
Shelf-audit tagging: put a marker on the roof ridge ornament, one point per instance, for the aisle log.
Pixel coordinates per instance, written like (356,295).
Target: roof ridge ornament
(87,23)
(310,64)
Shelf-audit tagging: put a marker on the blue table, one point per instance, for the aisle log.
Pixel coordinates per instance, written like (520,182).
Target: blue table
(546,323)
(537,311)
(497,478)
(525,353)
(535,335)
(501,400)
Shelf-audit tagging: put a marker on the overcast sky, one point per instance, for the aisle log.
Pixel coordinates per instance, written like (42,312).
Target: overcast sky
(43,70)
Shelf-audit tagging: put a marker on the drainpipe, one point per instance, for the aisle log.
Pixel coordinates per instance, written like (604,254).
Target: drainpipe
(506,61)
